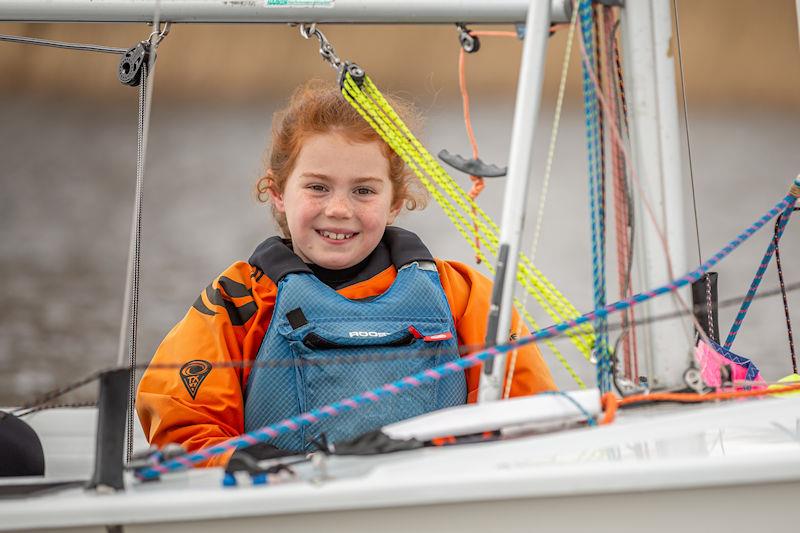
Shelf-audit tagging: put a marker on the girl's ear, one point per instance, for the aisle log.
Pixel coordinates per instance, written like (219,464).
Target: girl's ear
(274,196)
(394,211)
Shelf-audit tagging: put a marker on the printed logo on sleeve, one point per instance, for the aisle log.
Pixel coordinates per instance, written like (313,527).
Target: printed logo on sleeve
(193,373)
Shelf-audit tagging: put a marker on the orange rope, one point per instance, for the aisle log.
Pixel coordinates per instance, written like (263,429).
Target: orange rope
(609,403)
(489,33)
(477,181)
(688,397)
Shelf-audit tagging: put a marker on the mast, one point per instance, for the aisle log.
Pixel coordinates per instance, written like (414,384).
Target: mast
(520,159)
(279,11)
(650,78)
(647,27)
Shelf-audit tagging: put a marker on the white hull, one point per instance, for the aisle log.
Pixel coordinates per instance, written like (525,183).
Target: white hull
(714,467)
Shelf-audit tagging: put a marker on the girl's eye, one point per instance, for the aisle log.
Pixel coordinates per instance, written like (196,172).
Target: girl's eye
(316,187)
(364,190)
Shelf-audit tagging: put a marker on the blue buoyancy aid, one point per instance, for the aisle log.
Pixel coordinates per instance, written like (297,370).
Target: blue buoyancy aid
(322,347)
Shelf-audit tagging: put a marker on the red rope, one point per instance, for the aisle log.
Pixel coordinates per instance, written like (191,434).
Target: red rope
(621,210)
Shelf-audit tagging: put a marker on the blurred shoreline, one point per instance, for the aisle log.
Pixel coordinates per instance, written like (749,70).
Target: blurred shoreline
(734,52)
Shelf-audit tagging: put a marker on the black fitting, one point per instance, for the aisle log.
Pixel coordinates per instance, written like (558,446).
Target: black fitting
(356,73)
(469,43)
(706,305)
(133,63)
(493,321)
(112,405)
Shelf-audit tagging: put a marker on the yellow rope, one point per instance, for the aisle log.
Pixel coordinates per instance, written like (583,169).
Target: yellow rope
(362,104)
(559,308)
(371,105)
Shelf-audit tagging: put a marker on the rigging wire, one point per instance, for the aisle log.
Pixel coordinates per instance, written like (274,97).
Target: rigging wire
(63,45)
(686,126)
(129,321)
(130,315)
(775,239)
(649,210)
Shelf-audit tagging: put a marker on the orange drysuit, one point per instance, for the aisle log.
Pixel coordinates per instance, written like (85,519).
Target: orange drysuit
(180,399)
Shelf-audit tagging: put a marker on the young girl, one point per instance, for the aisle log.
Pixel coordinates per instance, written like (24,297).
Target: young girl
(346,302)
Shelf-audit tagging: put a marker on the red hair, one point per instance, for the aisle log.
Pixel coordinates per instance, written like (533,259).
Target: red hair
(315,108)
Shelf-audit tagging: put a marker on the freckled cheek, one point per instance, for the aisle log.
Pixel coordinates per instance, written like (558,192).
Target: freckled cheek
(307,209)
(373,221)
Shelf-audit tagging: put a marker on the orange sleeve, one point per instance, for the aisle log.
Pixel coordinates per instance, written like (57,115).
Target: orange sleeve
(203,404)
(469,294)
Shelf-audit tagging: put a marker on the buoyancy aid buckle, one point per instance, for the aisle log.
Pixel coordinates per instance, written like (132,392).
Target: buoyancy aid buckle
(436,337)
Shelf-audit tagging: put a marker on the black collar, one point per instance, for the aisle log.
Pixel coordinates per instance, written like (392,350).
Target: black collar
(398,247)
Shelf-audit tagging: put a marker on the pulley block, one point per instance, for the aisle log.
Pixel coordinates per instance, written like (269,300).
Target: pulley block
(132,63)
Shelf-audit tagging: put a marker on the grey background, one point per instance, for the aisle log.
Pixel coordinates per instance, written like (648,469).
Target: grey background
(68,180)
(68,148)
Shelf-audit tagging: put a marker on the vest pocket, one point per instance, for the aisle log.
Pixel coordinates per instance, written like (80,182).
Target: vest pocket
(334,367)
(315,341)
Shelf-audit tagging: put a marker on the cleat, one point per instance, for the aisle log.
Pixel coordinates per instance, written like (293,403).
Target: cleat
(473,167)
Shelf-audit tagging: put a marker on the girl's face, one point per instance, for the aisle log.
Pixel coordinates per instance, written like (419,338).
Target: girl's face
(338,200)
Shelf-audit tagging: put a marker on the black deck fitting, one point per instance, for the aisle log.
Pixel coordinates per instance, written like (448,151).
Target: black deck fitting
(112,404)
(704,292)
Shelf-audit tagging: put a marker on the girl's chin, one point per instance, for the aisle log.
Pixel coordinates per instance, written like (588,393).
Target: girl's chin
(339,264)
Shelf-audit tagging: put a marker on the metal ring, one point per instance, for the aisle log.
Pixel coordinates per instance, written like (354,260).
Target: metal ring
(160,34)
(308,31)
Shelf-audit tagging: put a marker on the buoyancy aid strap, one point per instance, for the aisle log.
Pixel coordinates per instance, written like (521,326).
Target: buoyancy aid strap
(296,318)
(405,247)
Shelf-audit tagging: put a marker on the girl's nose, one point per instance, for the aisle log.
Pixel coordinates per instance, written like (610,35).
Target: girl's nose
(338,207)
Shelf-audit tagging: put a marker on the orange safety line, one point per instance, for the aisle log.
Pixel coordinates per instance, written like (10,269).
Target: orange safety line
(689,397)
(610,403)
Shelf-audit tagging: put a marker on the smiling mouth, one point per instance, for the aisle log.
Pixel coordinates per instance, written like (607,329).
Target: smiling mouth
(336,236)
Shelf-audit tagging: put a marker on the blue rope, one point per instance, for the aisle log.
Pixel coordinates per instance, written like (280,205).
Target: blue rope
(596,199)
(270,432)
(590,420)
(762,268)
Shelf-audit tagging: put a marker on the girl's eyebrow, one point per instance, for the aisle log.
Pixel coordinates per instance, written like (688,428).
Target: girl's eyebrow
(325,177)
(315,175)
(366,179)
